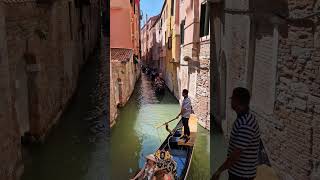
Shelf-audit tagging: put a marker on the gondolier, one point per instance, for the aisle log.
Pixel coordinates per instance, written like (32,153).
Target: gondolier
(186,110)
(173,154)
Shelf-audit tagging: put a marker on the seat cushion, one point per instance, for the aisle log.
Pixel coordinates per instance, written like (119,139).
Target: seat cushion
(181,161)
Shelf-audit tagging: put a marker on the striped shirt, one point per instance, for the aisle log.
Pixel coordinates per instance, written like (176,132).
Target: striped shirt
(186,105)
(245,135)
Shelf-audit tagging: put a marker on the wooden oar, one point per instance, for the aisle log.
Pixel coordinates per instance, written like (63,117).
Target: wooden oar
(166,122)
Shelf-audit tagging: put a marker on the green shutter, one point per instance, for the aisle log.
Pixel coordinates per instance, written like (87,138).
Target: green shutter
(202,19)
(182,31)
(135,60)
(172,7)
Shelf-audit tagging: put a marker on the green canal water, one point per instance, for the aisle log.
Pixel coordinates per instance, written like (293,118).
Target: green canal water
(76,149)
(218,152)
(134,136)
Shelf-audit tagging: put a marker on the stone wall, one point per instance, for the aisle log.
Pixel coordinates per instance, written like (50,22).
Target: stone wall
(54,41)
(42,57)
(283,76)
(124,77)
(10,138)
(113,106)
(128,75)
(291,134)
(202,99)
(294,139)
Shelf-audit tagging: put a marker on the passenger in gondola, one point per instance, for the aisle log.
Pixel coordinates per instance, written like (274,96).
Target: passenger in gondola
(163,174)
(148,170)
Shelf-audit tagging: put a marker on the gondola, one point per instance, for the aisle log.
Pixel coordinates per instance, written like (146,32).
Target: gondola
(160,90)
(174,154)
(159,87)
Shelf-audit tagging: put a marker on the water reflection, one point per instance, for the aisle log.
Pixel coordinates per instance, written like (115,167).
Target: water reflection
(76,147)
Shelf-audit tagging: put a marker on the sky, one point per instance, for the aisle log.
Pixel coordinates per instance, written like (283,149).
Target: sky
(150,7)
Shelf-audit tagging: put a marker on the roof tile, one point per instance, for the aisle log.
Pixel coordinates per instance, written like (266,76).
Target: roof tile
(121,54)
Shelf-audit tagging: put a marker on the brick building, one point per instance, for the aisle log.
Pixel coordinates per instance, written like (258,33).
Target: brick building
(271,48)
(193,71)
(124,52)
(149,53)
(181,40)
(44,44)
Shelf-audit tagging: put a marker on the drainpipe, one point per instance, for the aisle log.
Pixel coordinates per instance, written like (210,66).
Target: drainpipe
(214,70)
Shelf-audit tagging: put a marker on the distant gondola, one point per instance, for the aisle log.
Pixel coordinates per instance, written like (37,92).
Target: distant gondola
(143,70)
(159,86)
(159,89)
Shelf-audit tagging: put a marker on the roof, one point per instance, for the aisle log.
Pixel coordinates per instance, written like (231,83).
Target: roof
(151,18)
(156,21)
(121,54)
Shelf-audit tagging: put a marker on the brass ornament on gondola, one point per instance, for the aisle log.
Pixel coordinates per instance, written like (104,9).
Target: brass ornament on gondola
(165,161)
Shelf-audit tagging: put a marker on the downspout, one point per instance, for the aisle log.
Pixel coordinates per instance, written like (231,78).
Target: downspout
(213,72)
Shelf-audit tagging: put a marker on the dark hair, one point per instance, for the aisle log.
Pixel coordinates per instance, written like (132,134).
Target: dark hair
(185,91)
(242,94)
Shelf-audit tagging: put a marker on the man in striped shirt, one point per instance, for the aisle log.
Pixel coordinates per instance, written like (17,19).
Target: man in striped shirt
(244,140)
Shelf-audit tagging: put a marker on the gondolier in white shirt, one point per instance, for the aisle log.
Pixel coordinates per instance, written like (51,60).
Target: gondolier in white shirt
(186,110)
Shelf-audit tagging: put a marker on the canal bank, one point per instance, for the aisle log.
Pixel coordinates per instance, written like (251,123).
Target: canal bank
(76,147)
(134,136)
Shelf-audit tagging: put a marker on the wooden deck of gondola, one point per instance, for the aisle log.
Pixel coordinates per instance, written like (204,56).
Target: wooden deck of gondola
(193,125)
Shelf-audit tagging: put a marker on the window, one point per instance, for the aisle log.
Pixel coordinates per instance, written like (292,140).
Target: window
(204,20)
(165,36)
(134,8)
(172,7)
(169,42)
(182,31)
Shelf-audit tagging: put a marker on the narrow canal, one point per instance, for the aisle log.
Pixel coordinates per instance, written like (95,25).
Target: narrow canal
(218,151)
(76,149)
(135,136)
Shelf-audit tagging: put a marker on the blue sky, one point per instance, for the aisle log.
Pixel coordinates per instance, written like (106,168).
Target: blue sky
(150,7)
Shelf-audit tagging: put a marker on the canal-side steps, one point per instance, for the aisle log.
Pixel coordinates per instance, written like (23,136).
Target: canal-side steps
(193,125)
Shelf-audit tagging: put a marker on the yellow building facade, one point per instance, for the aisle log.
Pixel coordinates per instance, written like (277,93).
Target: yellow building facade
(172,38)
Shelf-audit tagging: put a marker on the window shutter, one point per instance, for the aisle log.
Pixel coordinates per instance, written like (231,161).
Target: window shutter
(202,19)
(182,31)
(169,42)
(172,7)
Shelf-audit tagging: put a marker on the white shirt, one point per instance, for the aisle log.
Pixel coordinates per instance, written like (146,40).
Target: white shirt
(186,105)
